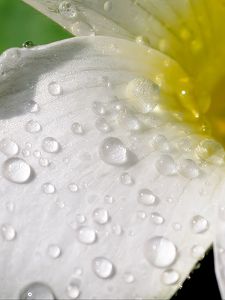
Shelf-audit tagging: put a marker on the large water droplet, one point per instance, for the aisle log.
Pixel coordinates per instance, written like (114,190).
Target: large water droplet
(86,235)
(54,88)
(147,197)
(54,251)
(50,145)
(8,147)
(160,252)
(170,277)
(68,10)
(103,267)
(112,151)
(16,170)
(166,165)
(199,224)
(8,232)
(33,126)
(101,216)
(37,291)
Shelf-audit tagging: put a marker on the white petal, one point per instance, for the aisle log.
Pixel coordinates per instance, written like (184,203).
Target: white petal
(84,176)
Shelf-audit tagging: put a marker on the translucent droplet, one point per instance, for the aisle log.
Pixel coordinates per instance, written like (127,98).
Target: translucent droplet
(67,9)
(141,215)
(37,291)
(73,187)
(54,251)
(50,145)
(109,199)
(177,226)
(117,229)
(44,162)
(199,224)
(82,28)
(189,169)
(48,188)
(102,125)
(28,44)
(210,151)
(103,267)
(77,128)
(8,147)
(99,108)
(73,290)
(113,152)
(198,252)
(54,88)
(170,277)
(157,218)
(160,142)
(32,107)
(86,235)
(33,126)
(166,165)
(25,152)
(129,277)
(160,252)
(101,216)
(81,219)
(108,5)
(147,197)
(126,179)
(8,232)
(16,170)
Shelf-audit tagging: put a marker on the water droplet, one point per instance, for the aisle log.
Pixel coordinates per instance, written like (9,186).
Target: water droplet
(126,179)
(113,152)
(141,215)
(117,229)
(177,226)
(129,277)
(32,107)
(82,28)
(101,216)
(68,10)
(99,108)
(73,187)
(33,126)
(170,277)
(16,170)
(73,290)
(37,291)
(146,197)
(78,272)
(166,165)
(10,206)
(109,199)
(199,224)
(8,232)
(54,251)
(80,218)
(210,151)
(160,252)
(8,147)
(103,267)
(28,44)
(48,188)
(86,235)
(157,218)
(44,162)
(189,169)
(102,125)
(54,88)
(50,145)
(159,142)
(77,128)
(108,5)
(198,252)
(25,152)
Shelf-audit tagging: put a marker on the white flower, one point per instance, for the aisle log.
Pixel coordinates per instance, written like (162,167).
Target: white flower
(111,176)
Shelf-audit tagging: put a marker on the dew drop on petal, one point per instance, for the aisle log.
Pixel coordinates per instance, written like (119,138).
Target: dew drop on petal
(37,291)
(141,215)
(48,188)
(102,125)
(73,187)
(73,290)
(108,5)
(50,145)
(82,28)
(54,88)
(147,197)
(8,232)
(86,235)
(160,142)
(170,277)
(117,229)
(33,126)
(54,251)
(157,218)
(109,199)
(8,147)
(128,277)
(99,108)
(67,9)
(77,128)
(189,169)
(126,179)
(166,165)
(199,224)
(160,252)
(44,162)
(16,170)
(101,216)
(198,252)
(103,267)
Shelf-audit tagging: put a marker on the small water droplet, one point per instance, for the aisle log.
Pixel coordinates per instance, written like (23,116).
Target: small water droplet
(25,152)
(81,219)
(102,125)
(73,290)
(50,145)
(198,252)
(32,107)
(28,44)
(86,235)
(157,218)
(141,215)
(177,226)
(109,199)
(101,216)
(147,197)
(8,232)
(10,206)
(44,162)
(126,179)
(48,188)
(16,170)
(77,128)
(117,229)
(170,277)
(82,28)
(33,126)
(68,10)
(8,147)
(108,5)
(160,143)
(199,224)
(73,187)
(166,165)
(37,291)
(99,108)
(54,88)
(54,251)
(189,169)
(160,252)
(103,267)
(129,277)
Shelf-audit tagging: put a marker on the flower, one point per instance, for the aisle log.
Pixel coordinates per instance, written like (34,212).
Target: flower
(112,159)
